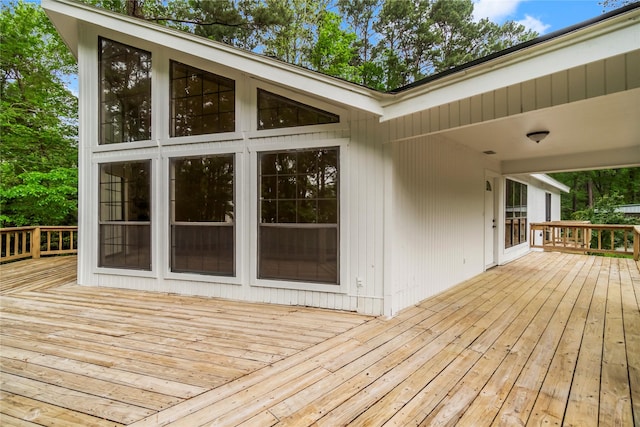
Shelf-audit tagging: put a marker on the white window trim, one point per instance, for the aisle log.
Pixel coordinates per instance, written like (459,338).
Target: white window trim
(343,225)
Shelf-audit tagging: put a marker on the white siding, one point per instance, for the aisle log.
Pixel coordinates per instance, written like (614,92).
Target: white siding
(361,221)
(438,222)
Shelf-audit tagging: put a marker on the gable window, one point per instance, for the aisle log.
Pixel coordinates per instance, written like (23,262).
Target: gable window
(203,215)
(275,112)
(125,215)
(515,231)
(298,215)
(201,102)
(125,93)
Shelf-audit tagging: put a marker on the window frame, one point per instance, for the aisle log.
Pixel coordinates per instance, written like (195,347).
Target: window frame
(301,283)
(123,144)
(295,104)
(172,99)
(276,144)
(516,217)
(311,101)
(170,165)
(125,223)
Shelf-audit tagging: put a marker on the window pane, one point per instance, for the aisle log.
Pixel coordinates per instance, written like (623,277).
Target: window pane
(201,102)
(125,191)
(299,188)
(203,249)
(125,246)
(125,94)
(203,215)
(305,254)
(275,112)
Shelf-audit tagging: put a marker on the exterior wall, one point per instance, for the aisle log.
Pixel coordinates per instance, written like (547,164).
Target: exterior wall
(438,218)
(411,209)
(536,212)
(361,201)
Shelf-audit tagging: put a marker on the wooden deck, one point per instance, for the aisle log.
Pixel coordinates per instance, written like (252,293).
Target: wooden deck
(549,339)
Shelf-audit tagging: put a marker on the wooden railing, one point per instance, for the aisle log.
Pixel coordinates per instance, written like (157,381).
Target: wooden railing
(584,237)
(34,242)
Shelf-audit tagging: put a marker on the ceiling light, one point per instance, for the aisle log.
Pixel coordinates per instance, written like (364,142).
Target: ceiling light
(538,135)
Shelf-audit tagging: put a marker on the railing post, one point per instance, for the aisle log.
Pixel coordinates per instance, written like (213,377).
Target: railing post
(35,243)
(636,243)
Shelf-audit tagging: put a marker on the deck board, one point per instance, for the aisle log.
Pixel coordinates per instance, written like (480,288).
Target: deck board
(547,339)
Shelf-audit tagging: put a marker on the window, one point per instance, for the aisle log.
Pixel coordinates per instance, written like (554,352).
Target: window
(275,112)
(125,93)
(547,206)
(515,231)
(298,230)
(203,215)
(125,219)
(201,102)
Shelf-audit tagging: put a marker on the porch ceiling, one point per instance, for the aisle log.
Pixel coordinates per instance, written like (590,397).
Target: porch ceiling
(601,132)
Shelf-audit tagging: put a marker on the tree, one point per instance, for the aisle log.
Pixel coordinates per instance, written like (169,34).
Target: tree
(588,187)
(334,51)
(360,16)
(614,4)
(420,38)
(38,114)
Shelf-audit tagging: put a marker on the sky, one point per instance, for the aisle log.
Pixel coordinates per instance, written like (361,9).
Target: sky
(542,16)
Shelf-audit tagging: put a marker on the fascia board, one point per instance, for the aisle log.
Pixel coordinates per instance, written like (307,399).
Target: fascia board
(607,39)
(67,14)
(550,181)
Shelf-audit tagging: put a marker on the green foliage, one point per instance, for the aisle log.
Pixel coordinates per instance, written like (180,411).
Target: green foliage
(38,114)
(380,44)
(604,211)
(41,198)
(334,52)
(587,187)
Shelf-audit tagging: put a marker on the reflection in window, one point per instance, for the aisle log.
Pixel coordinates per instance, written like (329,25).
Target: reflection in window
(201,102)
(125,93)
(298,235)
(275,112)
(515,231)
(124,218)
(203,216)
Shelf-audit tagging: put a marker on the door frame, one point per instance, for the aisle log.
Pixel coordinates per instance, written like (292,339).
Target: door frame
(491,236)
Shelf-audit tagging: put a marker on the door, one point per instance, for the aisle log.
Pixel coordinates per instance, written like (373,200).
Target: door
(490,224)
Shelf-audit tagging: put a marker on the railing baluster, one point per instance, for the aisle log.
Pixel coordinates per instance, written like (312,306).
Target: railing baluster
(15,241)
(578,237)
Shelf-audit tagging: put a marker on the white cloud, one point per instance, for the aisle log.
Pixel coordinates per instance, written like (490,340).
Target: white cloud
(495,10)
(531,23)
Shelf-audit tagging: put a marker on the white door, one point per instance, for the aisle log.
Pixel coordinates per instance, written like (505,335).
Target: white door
(490,224)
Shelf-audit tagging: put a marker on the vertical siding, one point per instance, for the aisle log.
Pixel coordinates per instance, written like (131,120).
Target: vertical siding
(438,225)
(365,210)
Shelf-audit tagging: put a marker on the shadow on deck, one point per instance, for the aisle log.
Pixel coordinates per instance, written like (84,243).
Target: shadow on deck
(549,338)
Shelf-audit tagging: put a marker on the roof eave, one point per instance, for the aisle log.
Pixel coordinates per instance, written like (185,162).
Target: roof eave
(602,39)
(67,14)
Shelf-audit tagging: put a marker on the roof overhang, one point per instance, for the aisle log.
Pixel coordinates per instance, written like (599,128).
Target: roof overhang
(67,15)
(551,182)
(607,38)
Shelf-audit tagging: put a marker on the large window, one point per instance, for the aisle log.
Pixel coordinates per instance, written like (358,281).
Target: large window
(125,93)
(201,102)
(298,203)
(275,112)
(125,215)
(202,215)
(515,231)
